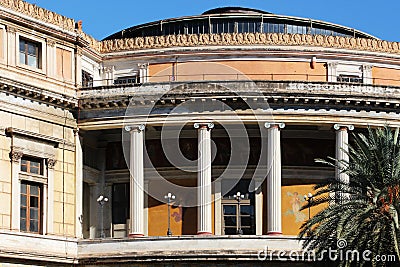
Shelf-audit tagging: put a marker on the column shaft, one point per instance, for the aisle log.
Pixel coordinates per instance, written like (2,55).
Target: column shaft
(204,225)
(136,181)
(342,150)
(274,201)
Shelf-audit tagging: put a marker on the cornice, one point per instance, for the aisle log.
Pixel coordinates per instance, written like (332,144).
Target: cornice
(49,18)
(245,39)
(275,93)
(39,94)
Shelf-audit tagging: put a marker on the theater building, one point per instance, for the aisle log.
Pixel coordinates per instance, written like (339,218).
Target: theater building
(133,149)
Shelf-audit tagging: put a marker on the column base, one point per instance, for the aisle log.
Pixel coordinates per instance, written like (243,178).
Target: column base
(135,235)
(204,233)
(274,233)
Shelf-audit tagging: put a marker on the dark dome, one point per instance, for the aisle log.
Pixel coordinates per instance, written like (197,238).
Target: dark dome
(237,20)
(227,10)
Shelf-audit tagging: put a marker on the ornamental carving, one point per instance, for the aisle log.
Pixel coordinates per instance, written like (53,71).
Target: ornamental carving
(227,39)
(39,13)
(51,163)
(16,156)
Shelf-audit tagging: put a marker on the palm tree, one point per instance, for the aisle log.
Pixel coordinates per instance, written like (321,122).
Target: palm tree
(362,215)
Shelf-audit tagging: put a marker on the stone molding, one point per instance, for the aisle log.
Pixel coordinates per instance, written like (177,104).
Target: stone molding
(231,39)
(46,138)
(39,13)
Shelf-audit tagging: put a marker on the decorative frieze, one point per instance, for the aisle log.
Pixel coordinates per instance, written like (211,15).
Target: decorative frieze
(228,39)
(39,13)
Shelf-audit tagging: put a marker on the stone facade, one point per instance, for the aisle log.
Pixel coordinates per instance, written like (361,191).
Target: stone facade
(84,121)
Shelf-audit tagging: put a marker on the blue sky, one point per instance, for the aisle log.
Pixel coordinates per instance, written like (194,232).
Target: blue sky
(102,18)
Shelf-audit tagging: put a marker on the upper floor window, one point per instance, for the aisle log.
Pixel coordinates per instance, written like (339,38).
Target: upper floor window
(29,53)
(349,79)
(127,80)
(32,165)
(87,79)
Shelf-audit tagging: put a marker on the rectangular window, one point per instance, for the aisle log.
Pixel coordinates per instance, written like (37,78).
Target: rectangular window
(127,80)
(32,165)
(87,79)
(31,208)
(120,203)
(29,53)
(349,79)
(233,220)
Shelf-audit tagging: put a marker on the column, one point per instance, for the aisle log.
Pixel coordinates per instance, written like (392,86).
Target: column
(15,190)
(13,45)
(342,150)
(146,207)
(217,207)
(78,185)
(274,169)
(204,210)
(50,195)
(94,210)
(259,197)
(136,180)
(332,71)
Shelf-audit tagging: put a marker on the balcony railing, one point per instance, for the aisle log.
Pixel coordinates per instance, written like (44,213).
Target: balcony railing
(380,81)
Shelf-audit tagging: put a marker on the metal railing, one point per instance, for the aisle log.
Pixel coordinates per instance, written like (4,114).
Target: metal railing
(379,81)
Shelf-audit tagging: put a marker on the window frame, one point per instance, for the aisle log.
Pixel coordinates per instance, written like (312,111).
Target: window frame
(243,202)
(29,160)
(26,52)
(42,54)
(28,207)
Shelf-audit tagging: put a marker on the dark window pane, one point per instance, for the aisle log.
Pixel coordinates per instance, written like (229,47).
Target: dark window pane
(247,221)
(230,220)
(34,201)
(23,200)
(248,231)
(22,46)
(229,209)
(32,49)
(23,213)
(120,203)
(34,213)
(23,224)
(230,231)
(23,188)
(246,210)
(34,226)
(34,190)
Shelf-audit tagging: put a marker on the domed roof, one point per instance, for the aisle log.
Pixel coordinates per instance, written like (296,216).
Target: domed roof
(236,10)
(237,20)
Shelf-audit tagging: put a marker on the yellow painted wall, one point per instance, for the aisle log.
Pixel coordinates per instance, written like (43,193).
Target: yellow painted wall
(292,201)
(238,70)
(386,76)
(183,219)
